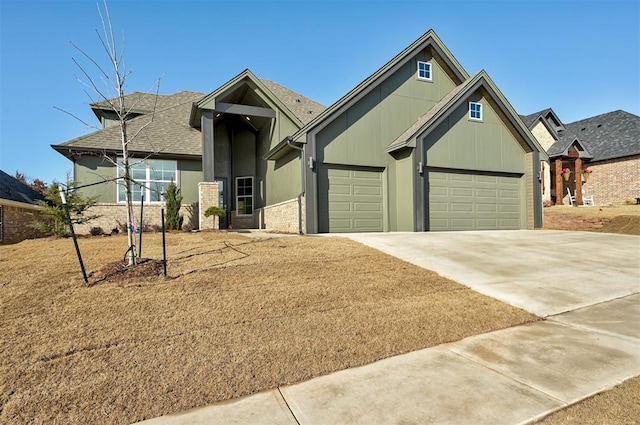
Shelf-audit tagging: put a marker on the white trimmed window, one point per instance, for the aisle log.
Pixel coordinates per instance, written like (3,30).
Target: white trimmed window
(151,177)
(424,71)
(475,111)
(244,195)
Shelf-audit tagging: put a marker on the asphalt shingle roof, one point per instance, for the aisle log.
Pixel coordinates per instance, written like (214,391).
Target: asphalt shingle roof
(302,107)
(612,135)
(144,103)
(12,189)
(167,131)
(529,120)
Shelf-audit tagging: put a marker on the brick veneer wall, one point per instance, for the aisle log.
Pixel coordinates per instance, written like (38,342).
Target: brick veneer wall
(614,181)
(529,176)
(546,140)
(16,224)
(113,214)
(282,217)
(208,196)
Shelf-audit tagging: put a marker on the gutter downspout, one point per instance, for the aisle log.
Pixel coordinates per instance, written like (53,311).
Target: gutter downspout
(304,185)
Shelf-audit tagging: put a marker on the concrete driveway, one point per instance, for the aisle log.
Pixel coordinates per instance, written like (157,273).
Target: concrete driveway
(545,272)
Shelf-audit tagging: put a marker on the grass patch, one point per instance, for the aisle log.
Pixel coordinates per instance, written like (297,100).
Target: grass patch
(623,219)
(620,405)
(236,316)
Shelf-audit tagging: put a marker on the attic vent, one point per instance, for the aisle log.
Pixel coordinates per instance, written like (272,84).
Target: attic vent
(297,100)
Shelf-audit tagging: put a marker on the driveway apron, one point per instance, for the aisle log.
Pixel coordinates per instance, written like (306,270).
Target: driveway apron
(545,272)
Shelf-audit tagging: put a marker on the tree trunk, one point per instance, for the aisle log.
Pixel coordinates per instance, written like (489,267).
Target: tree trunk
(127,178)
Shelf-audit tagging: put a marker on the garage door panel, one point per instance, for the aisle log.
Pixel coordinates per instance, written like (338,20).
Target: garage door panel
(487,223)
(461,191)
(375,191)
(461,178)
(340,189)
(367,175)
(466,201)
(458,207)
(487,193)
(486,179)
(462,223)
(487,208)
(374,207)
(338,172)
(353,201)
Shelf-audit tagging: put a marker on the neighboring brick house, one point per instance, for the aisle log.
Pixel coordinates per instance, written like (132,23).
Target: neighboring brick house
(607,144)
(545,126)
(18,210)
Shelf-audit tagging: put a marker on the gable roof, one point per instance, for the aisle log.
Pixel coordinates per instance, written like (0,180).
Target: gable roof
(166,131)
(545,116)
(441,110)
(15,191)
(297,107)
(561,148)
(429,38)
(531,119)
(607,136)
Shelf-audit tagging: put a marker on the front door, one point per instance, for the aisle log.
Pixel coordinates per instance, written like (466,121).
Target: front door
(223,201)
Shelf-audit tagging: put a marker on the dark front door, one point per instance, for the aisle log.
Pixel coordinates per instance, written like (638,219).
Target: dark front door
(223,201)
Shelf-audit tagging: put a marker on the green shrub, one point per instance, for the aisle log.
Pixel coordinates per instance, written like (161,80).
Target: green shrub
(54,218)
(174,202)
(96,231)
(215,212)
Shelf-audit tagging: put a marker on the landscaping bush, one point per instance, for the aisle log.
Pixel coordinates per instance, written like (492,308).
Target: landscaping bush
(96,231)
(54,218)
(174,202)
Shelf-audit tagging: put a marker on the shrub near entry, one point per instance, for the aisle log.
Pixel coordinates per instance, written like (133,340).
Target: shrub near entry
(174,202)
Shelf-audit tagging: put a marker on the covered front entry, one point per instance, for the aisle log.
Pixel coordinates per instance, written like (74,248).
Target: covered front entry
(351,199)
(467,201)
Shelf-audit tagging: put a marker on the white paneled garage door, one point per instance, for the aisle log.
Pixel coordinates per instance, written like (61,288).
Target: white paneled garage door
(460,201)
(350,200)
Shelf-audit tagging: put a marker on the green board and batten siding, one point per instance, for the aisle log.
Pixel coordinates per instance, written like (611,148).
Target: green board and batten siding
(359,136)
(475,173)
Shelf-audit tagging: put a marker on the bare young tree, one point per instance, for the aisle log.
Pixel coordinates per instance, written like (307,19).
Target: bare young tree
(109,87)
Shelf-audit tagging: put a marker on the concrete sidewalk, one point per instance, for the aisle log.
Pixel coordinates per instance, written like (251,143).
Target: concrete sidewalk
(510,376)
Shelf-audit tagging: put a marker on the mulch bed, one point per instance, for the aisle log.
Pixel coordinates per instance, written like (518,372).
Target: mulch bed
(120,271)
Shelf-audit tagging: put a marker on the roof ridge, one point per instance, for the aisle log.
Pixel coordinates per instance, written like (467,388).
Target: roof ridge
(603,114)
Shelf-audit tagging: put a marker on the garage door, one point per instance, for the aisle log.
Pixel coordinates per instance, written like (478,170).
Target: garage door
(350,200)
(473,202)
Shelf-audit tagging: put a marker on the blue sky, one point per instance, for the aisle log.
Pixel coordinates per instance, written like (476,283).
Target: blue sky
(582,58)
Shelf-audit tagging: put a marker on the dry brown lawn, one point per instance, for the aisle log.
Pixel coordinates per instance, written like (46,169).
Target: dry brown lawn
(236,316)
(618,406)
(623,219)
